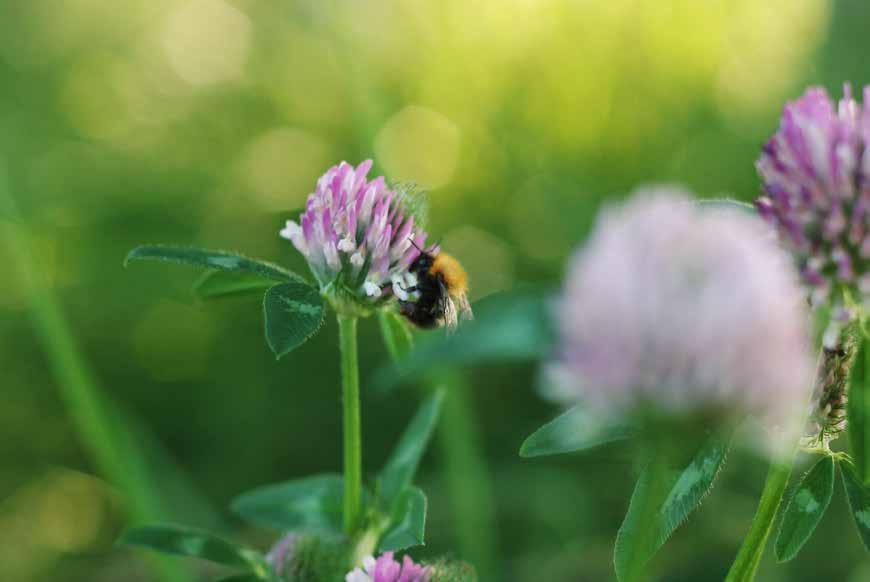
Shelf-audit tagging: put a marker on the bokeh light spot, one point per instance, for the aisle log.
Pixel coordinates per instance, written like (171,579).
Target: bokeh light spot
(57,513)
(486,257)
(282,166)
(419,145)
(207,41)
(765,54)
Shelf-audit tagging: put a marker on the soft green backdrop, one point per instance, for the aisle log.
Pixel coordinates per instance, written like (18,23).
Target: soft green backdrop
(204,121)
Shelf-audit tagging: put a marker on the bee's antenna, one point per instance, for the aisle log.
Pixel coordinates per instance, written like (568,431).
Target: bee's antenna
(424,251)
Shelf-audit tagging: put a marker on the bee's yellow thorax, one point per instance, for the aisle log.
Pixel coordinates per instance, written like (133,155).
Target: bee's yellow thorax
(451,272)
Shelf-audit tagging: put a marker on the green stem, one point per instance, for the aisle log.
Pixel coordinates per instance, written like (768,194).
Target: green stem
(352,424)
(467,478)
(744,566)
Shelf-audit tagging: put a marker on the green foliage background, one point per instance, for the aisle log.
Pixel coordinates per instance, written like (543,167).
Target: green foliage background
(204,122)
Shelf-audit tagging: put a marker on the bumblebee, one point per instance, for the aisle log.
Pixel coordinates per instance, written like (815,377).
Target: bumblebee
(433,293)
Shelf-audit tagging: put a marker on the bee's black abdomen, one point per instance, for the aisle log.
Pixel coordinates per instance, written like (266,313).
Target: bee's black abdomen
(428,310)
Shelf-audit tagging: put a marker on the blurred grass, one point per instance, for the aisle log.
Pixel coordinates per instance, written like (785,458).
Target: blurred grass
(202,121)
(104,432)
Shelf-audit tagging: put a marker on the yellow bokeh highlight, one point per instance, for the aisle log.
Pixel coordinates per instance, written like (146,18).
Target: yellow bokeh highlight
(110,98)
(407,80)
(281,167)
(486,258)
(307,80)
(419,145)
(61,512)
(207,41)
(767,42)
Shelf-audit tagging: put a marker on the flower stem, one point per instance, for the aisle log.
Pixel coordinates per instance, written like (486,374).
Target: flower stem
(744,566)
(466,475)
(352,423)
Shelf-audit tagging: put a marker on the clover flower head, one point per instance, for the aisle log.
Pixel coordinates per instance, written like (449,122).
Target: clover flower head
(680,309)
(280,557)
(357,234)
(815,172)
(387,569)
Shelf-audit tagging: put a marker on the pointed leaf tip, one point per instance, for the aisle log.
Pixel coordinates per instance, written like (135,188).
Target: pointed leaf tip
(211,259)
(806,507)
(194,543)
(308,504)
(408,522)
(400,468)
(859,501)
(676,498)
(293,313)
(575,430)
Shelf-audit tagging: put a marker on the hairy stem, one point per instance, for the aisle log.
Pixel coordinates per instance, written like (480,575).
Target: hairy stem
(744,566)
(352,425)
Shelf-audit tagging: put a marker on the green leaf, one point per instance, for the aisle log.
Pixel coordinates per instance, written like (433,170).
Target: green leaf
(244,578)
(507,327)
(575,430)
(400,468)
(859,501)
(396,333)
(634,542)
(408,522)
(805,509)
(183,541)
(219,284)
(214,260)
(679,495)
(294,312)
(858,413)
(309,504)
(691,486)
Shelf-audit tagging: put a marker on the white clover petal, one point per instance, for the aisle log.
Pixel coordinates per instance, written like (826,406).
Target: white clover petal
(358,576)
(346,245)
(399,289)
(372,289)
(331,254)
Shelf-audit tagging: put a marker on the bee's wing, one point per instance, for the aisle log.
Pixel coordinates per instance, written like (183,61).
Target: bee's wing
(451,315)
(464,307)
